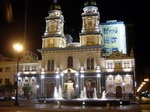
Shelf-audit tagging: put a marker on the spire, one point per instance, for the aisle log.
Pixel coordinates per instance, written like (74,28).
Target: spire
(55,6)
(55,1)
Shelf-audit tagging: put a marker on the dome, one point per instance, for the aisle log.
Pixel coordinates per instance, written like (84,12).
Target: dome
(90,3)
(55,6)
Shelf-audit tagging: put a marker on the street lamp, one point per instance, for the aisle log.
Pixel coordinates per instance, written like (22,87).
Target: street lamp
(18,48)
(146,80)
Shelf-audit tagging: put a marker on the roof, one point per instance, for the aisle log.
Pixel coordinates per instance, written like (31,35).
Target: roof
(55,6)
(90,3)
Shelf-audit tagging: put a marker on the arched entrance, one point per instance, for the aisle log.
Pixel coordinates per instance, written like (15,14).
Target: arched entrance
(90,85)
(50,89)
(118,92)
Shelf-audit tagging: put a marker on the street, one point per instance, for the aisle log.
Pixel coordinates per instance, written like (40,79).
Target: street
(34,106)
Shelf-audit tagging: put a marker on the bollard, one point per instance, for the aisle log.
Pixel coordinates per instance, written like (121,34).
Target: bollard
(107,106)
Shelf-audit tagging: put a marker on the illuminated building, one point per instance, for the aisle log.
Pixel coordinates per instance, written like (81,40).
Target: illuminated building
(75,65)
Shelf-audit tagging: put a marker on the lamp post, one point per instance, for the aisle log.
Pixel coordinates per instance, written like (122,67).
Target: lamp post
(18,48)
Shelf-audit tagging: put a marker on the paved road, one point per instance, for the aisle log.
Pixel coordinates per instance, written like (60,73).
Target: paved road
(34,106)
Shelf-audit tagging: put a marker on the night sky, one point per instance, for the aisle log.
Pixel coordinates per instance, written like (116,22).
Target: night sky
(12,23)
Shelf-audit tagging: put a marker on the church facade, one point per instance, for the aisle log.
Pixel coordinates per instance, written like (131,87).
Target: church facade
(74,66)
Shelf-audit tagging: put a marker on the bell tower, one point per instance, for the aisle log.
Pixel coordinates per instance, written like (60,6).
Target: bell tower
(54,32)
(90,34)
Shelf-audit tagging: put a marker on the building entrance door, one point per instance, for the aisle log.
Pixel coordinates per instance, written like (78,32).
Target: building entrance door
(90,85)
(118,92)
(50,90)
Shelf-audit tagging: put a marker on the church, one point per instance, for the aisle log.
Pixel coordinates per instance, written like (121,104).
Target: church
(98,61)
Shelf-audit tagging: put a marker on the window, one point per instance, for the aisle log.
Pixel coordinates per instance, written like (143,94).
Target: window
(1,69)
(114,39)
(51,44)
(90,23)
(118,65)
(110,84)
(50,65)
(70,62)
(7,69)
(127,80)
(90,40)
(7,81)
(19,82)
(127,64)
(118,79)
(106,40)
(109,65)
(110,80)
(1,80)
(52,26)
(27,68)
(34,68)
(90,63)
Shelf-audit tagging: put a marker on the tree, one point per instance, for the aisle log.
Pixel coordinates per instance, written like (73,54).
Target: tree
(8,88)
(2,90)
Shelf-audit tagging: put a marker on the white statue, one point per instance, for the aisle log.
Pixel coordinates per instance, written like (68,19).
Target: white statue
(103,94)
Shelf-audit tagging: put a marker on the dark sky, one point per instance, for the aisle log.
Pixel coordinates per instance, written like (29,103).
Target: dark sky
(129,11)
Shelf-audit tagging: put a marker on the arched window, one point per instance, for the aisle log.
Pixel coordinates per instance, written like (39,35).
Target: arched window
(90,63)
(52,26)
(70,62)
(51,43)
(90,23)
(50,65)
(90,40)
(27,68)
(34,68)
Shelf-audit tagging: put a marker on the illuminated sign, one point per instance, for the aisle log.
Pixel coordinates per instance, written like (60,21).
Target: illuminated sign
(113,34)
(112,30)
